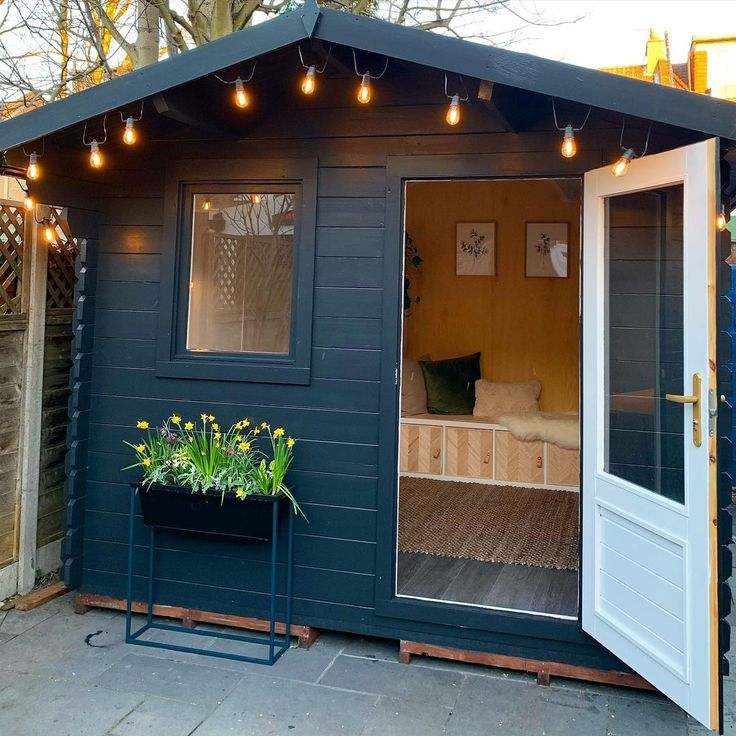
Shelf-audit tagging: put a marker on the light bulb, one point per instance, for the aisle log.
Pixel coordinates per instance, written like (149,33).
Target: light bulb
(622,165)
(241,96)
(453,112)
(721,219)
(364,91)
(129,135)
(95,157)
(206,205)
(33,171)
(255,198)
(309,81)
(569,147)
(48,233)
(28,202)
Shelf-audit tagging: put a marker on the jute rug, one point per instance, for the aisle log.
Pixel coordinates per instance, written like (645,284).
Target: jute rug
(475,521)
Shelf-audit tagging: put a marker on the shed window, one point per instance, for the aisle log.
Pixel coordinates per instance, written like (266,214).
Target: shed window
(241,278)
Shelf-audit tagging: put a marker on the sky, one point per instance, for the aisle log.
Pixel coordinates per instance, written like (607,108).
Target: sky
(614,32)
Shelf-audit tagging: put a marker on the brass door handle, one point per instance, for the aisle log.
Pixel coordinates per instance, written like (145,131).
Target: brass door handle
(694,399)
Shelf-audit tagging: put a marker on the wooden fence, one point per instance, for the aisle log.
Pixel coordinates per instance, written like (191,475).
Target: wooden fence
(36,309)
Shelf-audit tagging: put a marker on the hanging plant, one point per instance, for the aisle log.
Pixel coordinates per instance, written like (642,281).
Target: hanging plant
(412,261)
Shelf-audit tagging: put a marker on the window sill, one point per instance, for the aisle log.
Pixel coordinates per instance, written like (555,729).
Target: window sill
(215,370)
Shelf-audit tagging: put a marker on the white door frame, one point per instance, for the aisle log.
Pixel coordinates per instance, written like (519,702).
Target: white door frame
(681,661)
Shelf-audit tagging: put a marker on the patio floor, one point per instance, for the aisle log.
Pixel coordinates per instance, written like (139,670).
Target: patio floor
(61,673)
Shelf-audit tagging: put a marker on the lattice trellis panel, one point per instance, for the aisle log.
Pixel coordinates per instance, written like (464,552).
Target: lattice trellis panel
(12,223)
(62,252)
(228,281)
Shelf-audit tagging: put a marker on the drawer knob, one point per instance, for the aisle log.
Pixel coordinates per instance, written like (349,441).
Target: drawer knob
(539,461)
(436,453)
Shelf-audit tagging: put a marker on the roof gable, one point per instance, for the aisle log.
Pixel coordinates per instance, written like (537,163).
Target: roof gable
(587,86)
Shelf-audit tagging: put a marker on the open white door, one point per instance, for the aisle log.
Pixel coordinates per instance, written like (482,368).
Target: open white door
(649,446)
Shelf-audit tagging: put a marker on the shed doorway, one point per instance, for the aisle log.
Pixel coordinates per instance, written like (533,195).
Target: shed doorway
(489,448)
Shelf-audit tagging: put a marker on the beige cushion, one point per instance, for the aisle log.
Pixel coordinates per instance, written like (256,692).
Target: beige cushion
(493,400)
(413,391)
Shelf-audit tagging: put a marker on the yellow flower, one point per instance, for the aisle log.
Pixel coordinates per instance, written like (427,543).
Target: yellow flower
(240,493)
(190,438)
(176,419)
(218,435)
(216,426)
(140,447)
(211,418)
(256,431)
(146,461)
(244,446)
(238,437)
(246,422)
(217,444)
(278,432)
(290,442)
(189,426)
(238,425)
(203,417)
(264,425)
(142,424)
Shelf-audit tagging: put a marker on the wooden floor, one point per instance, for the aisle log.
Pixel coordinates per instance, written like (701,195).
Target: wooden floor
(518,587)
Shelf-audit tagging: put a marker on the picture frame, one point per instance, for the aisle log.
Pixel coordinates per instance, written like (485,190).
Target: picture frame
(547,250)
(475,249)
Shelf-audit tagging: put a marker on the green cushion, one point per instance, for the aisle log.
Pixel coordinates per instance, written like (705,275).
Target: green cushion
(451,384)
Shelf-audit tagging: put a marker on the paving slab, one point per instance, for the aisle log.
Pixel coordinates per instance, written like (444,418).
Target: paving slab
(395,680)
(628,716)
(406,717)
(259,706)
(161,717)
(496,707)
(35,706)
(189,683)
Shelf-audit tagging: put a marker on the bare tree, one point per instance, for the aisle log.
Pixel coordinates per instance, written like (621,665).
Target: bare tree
(52,48)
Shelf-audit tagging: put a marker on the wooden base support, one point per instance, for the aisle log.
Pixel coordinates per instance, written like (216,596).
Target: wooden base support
(189,616)
(38,597)
(543,670)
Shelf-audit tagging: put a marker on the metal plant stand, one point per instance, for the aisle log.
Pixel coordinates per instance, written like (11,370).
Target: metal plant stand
(276,645)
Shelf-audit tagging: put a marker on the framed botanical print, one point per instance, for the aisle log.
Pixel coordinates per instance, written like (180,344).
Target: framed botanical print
(475,249)
(547,250)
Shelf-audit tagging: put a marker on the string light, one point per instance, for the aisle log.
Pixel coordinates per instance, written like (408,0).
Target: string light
(28,203)
(48,232)
(622,165)
(33,172)
(130,136)
(95,155)
(364,90)
(308,83)
(206,204)
(241,96)
(569,145)
(721,219)
(453,111)
(255,198)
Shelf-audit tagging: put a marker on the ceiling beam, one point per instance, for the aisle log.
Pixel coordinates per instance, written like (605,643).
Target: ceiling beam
(485,97)
(184,111)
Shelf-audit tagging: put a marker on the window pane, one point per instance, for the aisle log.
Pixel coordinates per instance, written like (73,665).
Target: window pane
(644,340)
(241,273)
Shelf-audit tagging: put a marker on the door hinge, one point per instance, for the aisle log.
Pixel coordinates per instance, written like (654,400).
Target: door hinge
(712,412)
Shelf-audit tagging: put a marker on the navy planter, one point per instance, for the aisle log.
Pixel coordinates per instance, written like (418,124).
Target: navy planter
(176,508)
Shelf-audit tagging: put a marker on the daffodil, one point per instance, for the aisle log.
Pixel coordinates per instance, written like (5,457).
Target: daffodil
(211,418)
(238,437)
(256,431)
(216,426)
(140,448)
(290,442)
(264,425)
(142,424)
(279,432)
(244,446)
(176,419)
(238,425)
(218,435)
(203,417)
(146,461)
(246,422)
(189,426)
(240,493)
(190,438)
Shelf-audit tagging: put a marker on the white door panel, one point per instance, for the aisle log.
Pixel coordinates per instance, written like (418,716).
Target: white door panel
(648,541)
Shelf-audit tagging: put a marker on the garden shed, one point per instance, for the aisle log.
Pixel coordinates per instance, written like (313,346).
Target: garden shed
(483,290)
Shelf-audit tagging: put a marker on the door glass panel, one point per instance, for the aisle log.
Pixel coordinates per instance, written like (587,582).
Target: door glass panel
(644,440)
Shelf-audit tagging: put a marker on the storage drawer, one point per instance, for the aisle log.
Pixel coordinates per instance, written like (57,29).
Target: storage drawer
(469,453)
(420,449)
(518,461)
(563,466)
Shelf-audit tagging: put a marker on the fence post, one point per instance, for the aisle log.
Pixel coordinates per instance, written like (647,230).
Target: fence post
(32,400)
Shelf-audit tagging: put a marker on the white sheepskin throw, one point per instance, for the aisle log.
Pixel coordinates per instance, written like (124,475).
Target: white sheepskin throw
(559,428)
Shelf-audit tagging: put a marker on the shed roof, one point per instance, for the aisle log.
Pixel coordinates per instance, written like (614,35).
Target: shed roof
(587,86)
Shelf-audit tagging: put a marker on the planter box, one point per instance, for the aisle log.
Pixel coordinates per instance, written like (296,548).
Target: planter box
(176,508)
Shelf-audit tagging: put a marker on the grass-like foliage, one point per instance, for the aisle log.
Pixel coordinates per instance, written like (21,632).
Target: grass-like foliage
(242,460)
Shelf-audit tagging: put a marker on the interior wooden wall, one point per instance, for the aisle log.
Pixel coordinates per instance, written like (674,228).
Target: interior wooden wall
(525,328)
